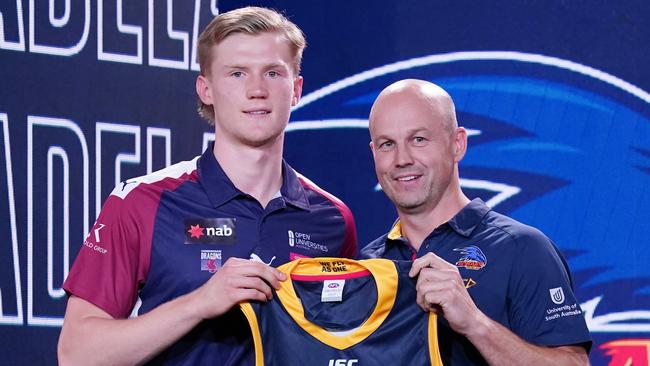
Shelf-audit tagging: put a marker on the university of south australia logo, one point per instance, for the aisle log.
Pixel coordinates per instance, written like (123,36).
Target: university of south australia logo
(557,295)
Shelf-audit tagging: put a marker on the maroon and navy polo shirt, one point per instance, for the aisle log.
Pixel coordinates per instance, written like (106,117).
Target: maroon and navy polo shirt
(163,235)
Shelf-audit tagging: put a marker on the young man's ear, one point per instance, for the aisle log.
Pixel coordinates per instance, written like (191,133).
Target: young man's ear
(297,90)
(203,90)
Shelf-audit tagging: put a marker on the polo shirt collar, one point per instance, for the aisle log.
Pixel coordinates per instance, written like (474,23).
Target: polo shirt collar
(292,190)
(220,188)
(469,217)
(464,222)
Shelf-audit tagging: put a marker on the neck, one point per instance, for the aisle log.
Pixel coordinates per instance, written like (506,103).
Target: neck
(417,225)
(256,171)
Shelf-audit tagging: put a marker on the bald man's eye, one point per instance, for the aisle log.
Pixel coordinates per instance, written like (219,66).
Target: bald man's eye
(420,141)
(386,145)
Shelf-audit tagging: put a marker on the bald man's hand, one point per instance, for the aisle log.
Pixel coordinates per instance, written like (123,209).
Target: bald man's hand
(441,289)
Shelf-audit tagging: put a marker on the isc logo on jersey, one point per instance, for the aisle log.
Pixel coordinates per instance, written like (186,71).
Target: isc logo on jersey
(343,362)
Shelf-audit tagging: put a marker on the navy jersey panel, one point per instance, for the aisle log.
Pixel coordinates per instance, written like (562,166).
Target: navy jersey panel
(360,296)
(513,273)
(167,233)
(402,338)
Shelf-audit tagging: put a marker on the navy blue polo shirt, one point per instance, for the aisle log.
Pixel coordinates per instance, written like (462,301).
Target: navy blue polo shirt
(165,234)
(513,273)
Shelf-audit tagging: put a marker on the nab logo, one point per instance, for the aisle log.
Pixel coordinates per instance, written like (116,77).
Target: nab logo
(210,231)
(218,231)
(343,362)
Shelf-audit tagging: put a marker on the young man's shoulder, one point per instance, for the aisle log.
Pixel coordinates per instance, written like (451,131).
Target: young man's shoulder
(148,185)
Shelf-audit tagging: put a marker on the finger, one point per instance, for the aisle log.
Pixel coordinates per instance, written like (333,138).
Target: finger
(429,260)
(432,294)
(433,300)
(254,269)
(248,294)
(253,283)
(425,287)
(437,275)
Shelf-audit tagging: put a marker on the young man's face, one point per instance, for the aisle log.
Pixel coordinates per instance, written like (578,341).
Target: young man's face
(414,153)
(252,87)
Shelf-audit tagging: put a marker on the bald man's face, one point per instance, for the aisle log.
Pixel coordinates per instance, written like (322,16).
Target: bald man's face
(414,150)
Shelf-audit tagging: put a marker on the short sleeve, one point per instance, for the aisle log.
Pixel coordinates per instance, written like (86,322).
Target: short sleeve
(543,309)
(111,263)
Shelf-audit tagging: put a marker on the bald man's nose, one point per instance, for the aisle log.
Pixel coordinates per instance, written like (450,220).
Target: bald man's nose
(403,156)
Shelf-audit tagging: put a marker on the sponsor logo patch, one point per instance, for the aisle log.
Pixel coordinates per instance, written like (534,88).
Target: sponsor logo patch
(304,241)
(473,258)
(557,295)
(210,231)
(256,258)
(469,282)
(343,362)
(210,260)
(562,312)
(94,241)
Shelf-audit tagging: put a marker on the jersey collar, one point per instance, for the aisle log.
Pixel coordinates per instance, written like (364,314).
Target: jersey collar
(384,274)
(220,188)
(464,222)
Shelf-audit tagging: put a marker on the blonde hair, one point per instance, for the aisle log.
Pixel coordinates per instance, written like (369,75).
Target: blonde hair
(249,20)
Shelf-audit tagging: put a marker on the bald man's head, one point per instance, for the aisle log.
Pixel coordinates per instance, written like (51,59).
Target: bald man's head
(413,93)
(416,145)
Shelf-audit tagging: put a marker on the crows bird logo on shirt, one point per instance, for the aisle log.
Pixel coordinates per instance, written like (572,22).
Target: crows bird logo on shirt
(555,144)
(473,258)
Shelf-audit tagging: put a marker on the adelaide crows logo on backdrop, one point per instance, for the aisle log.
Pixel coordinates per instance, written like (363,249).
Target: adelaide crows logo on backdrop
(555,144)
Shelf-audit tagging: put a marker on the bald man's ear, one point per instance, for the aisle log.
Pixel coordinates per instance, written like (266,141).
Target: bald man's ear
(372,148)
(460,144)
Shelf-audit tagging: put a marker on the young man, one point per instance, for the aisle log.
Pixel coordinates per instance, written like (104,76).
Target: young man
(496,282)
(180,239)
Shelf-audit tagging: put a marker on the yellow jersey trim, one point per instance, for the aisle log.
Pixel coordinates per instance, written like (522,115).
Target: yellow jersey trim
(396,231)
(434,352)
(248,311)
(379,268)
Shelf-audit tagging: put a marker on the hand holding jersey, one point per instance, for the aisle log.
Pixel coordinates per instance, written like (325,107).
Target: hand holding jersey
(441,289)
(238,280)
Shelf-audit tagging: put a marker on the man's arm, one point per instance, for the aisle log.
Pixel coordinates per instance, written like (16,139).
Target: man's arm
(441,289)
(92,336)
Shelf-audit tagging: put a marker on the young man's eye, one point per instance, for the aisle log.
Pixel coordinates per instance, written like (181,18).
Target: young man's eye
(237,74)
(273,74)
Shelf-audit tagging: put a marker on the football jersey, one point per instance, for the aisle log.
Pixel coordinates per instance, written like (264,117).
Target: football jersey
(342,312)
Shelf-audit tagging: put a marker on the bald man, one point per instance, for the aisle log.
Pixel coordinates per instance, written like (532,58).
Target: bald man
(503,289)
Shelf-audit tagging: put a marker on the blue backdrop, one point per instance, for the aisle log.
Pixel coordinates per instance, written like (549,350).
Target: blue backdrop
(554,94)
